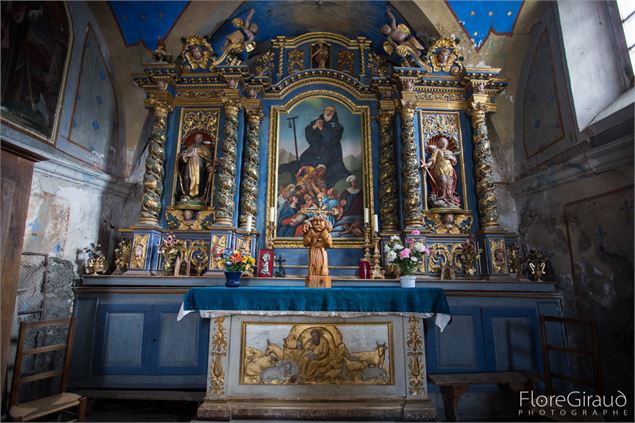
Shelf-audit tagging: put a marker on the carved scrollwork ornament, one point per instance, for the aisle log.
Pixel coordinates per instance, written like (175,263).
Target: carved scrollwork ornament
(445,55)
(197,53)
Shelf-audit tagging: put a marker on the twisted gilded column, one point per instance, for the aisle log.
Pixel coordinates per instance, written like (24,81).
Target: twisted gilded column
(483,169)
(411,185)
(387,173)
(225,204)
(251,162)
(153,177)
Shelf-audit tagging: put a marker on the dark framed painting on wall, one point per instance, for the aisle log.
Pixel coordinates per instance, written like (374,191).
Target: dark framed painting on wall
(320,163)
(36,40)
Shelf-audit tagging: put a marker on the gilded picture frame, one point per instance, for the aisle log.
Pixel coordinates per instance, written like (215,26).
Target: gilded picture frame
(348,230)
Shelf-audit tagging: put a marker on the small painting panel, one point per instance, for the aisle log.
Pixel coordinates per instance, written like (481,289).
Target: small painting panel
(316,353)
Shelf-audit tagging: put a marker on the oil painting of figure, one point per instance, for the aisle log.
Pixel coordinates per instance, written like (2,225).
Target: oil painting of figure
(320,166)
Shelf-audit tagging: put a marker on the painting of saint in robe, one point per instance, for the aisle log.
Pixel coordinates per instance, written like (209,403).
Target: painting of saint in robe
(319,166)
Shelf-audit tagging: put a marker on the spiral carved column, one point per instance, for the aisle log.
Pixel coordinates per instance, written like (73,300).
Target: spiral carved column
(411,187)
(487,207)
(251,162)
(225,204)
(387,174)
(153,177)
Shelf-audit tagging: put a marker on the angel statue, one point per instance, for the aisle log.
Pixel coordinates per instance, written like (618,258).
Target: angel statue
(440,169)
(318,238)
(243,39)
(399,35)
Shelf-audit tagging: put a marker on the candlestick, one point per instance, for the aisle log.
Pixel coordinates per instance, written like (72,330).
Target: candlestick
(249,223)
(365,216)
(376,223)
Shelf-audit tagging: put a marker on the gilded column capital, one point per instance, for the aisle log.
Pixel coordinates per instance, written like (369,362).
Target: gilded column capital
(254,115)
(160,108)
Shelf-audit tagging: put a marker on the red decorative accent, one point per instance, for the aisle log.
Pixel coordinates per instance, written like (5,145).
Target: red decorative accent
(364,269)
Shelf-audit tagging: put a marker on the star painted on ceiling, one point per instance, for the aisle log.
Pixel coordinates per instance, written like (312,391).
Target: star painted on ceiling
(480,17)
(146,21)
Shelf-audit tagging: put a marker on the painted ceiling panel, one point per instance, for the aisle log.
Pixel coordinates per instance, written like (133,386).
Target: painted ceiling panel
(146,21)
(479,17)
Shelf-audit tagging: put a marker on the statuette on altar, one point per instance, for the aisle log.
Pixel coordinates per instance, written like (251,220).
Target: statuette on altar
(196,168)
(317,236)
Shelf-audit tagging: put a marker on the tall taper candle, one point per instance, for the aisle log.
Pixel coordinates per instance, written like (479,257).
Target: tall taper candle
(365,216)
(272,214)
(376,223)
(249,223)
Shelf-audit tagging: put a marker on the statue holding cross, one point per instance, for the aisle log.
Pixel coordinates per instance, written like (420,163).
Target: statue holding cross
(318,238)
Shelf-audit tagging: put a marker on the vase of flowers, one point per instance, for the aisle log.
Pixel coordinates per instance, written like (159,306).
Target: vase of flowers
(406,257)
(235,264)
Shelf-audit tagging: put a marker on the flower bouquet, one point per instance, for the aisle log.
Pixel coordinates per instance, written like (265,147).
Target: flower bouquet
(407,258)
(236,264)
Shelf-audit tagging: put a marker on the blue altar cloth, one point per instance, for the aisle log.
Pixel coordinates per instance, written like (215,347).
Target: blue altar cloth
(296,299)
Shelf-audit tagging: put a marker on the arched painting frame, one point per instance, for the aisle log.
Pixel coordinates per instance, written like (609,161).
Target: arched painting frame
(286,173)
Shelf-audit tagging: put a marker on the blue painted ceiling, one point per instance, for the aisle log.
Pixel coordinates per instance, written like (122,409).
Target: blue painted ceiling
(479,17)
(148,21)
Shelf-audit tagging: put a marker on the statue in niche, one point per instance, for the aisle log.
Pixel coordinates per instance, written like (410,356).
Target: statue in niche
(318,238)
(243,39)
(320,56)
(196,168)
(442,174)
(399,35)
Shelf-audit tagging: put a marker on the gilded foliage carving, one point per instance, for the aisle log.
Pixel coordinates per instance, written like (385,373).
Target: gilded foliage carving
(345,61)
(295,61)
(251,163)
(218,350)
(416,367)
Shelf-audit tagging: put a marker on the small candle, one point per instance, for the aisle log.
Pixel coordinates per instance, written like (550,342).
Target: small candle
(376,223)
(272,214)
(365,216)
(249,223)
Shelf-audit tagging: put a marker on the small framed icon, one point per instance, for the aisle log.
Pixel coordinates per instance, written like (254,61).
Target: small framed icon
(265,263)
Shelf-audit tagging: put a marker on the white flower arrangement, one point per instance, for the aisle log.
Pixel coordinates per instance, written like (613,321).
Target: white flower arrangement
(408,256)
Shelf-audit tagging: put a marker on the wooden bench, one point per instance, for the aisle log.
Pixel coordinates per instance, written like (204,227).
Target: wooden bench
(453,386)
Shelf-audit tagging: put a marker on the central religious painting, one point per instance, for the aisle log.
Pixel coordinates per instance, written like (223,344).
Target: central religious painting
(320,164)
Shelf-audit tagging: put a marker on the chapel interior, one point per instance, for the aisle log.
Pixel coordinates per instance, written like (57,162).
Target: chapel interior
(316,210)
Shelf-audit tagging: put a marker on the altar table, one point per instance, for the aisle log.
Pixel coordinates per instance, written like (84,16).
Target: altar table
(297,353)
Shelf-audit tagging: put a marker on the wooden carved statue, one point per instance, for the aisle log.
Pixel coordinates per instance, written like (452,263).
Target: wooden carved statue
(243,38)
(317,237)
(442,174)
(196,168)
(399,35)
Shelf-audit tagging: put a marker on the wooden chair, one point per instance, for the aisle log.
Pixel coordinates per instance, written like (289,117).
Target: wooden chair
(548,375)
(593,352)
(31,410)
